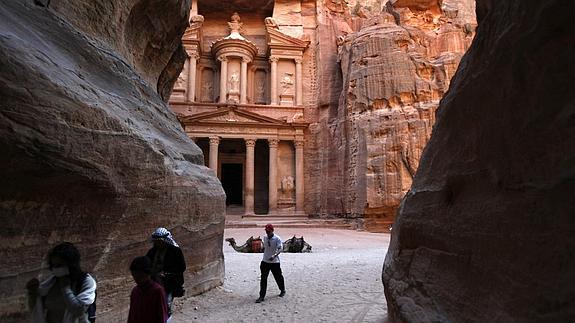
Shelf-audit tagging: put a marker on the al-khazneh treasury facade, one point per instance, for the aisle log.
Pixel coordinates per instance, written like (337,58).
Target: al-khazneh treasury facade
(331,100)
(240,97)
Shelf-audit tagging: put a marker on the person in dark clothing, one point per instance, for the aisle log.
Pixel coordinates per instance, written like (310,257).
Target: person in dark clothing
(148,299)
(168,264)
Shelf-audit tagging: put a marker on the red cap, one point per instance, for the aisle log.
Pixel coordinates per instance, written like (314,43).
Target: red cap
(269,227)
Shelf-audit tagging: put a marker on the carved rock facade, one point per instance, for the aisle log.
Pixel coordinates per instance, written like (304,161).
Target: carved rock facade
(355,84)
(377,118)
(486,232)
(90,152)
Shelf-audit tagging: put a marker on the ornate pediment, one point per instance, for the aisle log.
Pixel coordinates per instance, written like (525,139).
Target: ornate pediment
(278,39)
(231,115)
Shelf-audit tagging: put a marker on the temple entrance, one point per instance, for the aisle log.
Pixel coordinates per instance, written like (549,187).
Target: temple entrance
(232,182)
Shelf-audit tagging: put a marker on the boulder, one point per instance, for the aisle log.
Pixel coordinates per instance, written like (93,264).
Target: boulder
(90,152)
(487,231)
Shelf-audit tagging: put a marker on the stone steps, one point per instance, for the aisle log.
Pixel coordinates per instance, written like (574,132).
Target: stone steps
(288,222)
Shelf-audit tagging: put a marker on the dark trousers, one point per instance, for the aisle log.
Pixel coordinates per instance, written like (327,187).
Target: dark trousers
(276,271)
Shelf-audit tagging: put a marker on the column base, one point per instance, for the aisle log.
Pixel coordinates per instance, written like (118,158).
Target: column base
(233,97)
(286,99)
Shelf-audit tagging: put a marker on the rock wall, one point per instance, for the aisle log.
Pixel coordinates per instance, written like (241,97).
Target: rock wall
(90,152)
(487,231)
(138,30)
(394,62)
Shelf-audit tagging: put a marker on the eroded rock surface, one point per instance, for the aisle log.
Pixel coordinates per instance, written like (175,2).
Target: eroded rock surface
(90,152)
(487,231)
(396,63)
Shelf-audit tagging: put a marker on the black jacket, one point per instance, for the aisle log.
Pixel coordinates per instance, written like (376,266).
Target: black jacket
(174,267)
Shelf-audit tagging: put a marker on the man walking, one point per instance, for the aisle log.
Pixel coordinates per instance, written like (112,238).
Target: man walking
(271,261)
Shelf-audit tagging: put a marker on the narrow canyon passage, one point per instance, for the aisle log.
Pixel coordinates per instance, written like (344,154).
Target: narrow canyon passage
(452,120)
(340,281)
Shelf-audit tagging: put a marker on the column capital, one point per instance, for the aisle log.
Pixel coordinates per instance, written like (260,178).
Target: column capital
(223,58)
(298,143)
(274,59)
(246,60)
(194,55)
(214,140)
(273,143)
(250,142)
(298,60)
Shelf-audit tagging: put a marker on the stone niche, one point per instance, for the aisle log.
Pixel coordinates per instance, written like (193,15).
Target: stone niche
(90,152)
(286,176)
(487,231)
(207,83)
(286,82)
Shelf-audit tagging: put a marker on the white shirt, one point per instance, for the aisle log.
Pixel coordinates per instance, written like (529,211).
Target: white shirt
(76,305)
(271,247)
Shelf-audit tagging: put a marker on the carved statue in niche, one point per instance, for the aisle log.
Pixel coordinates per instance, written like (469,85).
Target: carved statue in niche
(234,88)
(260,90)
(287,83)
(234,82)
(207,88)
(287,185)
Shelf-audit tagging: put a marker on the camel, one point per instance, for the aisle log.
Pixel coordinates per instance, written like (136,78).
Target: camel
(254,245)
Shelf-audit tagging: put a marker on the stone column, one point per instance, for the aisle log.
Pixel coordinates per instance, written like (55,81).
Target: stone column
(298,82)
(274,80)
(273,174)
(299,177)
(244,81)
(214,143)
(191,93)
(223,78)
(249,190)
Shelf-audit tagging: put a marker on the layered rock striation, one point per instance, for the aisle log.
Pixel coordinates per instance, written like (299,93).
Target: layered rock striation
(487,231)
(90,152)
(395,67)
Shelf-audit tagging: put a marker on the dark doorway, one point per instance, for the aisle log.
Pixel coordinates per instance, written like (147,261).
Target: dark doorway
(232,178)
(261,177)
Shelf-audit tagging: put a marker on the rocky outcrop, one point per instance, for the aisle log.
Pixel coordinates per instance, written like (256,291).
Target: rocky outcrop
(486,232)
(394,70)
(147,33)
(90,152)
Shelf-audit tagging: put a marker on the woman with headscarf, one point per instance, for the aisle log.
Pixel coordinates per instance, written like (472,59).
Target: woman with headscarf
(66,295)
(168,264)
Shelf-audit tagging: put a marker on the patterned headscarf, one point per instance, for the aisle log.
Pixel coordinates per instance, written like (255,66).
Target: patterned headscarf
(164,235)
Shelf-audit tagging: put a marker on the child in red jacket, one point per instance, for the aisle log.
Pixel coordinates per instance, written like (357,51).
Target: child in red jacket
(148,299)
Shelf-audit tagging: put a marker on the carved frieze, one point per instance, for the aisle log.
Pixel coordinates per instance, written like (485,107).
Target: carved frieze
(287,82)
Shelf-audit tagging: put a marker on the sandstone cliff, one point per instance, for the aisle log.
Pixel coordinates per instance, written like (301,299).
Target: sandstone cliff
(487,231)
(90,152)
(396,61)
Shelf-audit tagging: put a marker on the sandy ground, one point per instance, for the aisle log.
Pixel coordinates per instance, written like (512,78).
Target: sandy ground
(340,281)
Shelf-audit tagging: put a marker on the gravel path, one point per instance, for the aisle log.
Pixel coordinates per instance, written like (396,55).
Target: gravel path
(340,281)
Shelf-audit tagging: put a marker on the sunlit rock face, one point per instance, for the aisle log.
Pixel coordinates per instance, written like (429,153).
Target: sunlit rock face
(486,232)
(395,64)
(90,152)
